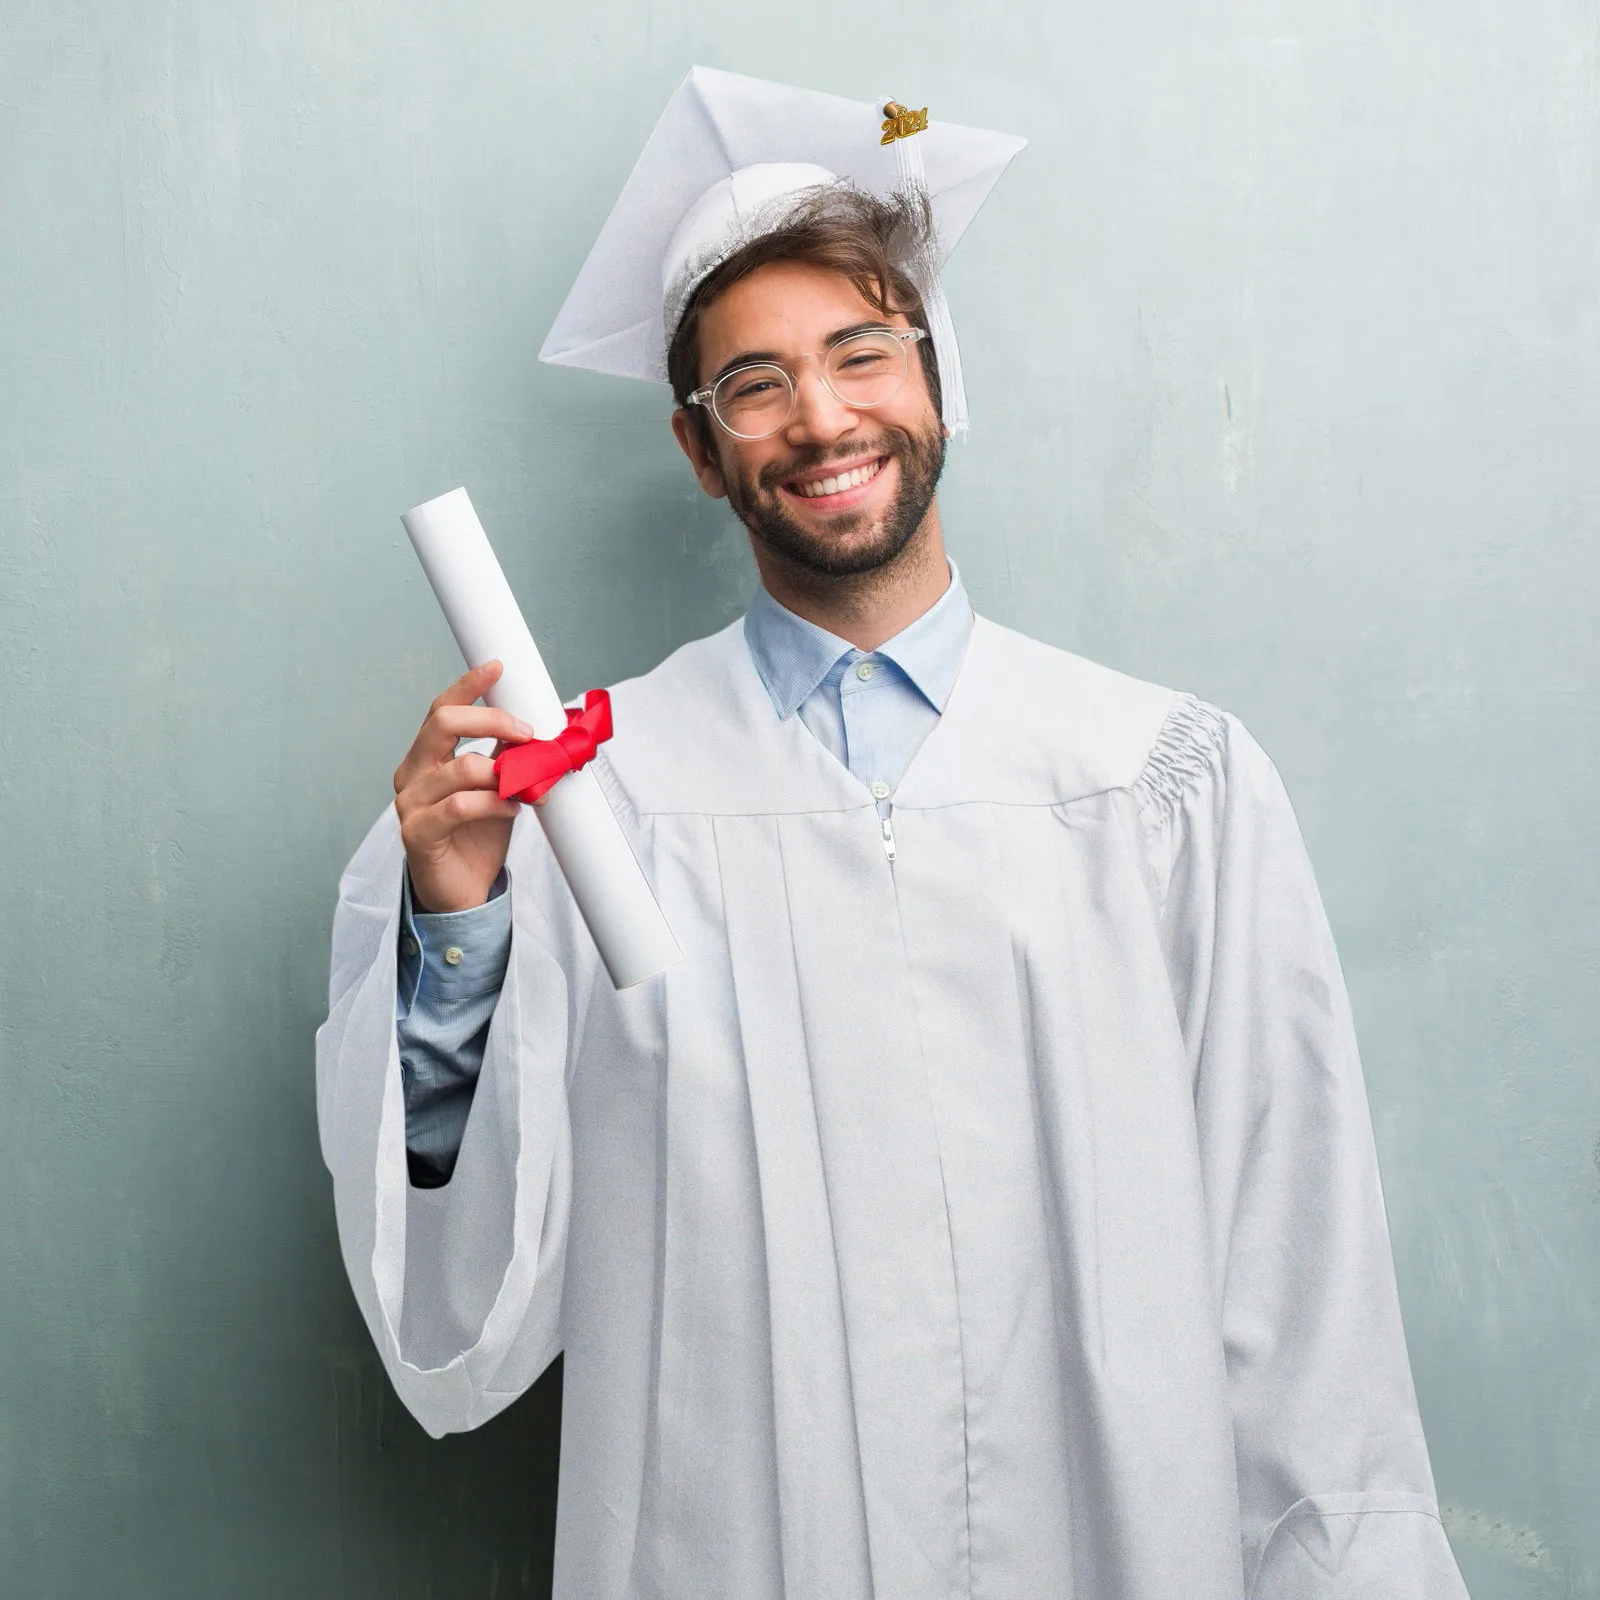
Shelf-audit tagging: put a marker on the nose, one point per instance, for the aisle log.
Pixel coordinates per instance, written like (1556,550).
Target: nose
(820,416)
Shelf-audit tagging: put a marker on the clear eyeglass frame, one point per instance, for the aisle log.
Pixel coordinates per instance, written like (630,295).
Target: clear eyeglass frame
(904,337)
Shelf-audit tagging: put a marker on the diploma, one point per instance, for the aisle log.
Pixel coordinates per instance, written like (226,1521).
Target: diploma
(588,842)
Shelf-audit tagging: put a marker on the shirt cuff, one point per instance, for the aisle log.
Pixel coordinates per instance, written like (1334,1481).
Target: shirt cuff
(458,955)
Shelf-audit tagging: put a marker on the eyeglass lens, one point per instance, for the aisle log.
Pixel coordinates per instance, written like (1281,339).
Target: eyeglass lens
(864,370)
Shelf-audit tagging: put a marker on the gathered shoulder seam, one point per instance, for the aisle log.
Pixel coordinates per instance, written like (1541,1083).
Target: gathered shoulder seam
(1190,735)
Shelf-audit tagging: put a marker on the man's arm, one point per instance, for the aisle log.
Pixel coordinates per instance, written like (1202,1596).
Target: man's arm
(452,957)
(460,1284)
(450,967)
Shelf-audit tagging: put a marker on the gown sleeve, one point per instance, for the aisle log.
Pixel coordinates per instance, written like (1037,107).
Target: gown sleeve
(1336,1494)
(460,1285)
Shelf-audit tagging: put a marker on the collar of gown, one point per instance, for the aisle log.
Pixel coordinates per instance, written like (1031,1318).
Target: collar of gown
(792,656)
(1025,724)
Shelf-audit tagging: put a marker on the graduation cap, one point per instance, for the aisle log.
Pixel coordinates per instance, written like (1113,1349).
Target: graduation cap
(729,156)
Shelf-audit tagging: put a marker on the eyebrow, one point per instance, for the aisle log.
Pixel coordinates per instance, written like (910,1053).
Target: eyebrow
(751,358)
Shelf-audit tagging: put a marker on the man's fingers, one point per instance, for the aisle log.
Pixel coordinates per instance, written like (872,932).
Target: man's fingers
(477,722)
(432,824)
(468,686)
(432,784)
(450,720)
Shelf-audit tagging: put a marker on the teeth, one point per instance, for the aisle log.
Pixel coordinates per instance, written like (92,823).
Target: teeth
(846,480)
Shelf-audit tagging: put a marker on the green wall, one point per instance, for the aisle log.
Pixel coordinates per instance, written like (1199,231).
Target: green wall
(1283,342)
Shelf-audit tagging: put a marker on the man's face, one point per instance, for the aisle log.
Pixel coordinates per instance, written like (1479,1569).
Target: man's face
(789,312)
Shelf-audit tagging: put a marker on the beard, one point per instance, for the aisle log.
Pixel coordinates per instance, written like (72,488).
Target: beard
(835,554)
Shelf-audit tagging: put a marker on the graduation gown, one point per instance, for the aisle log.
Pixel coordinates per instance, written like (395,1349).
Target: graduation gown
(1001,1220)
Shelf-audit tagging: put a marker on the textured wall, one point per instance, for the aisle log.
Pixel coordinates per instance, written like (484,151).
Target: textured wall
(1283,342)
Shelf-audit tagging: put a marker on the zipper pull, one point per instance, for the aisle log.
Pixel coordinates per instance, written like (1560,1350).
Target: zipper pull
(888,840)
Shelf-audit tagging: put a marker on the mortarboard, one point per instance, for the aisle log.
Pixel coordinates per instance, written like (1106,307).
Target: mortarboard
(715,173)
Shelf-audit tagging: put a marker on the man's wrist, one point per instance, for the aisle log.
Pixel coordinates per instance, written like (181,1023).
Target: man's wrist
(459,955)
(414,900)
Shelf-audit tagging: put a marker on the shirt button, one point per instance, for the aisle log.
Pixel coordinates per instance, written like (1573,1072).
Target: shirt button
(864,670)
(453,955)
(411,946)
(880,790)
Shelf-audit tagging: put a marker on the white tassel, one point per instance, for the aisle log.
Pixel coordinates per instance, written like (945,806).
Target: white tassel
(925,269)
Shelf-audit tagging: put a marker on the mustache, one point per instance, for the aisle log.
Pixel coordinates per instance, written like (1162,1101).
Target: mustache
(893,443)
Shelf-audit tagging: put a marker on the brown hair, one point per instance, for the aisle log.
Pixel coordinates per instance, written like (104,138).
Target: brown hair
(867,240)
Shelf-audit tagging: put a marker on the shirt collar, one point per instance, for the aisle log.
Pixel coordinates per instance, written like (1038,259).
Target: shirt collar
(793,656)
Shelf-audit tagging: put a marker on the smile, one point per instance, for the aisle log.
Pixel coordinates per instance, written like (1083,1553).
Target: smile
(819,488)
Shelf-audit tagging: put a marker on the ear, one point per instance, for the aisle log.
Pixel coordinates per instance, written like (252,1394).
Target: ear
(702,460)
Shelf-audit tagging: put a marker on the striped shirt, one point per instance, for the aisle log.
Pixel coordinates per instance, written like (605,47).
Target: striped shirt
(869,709)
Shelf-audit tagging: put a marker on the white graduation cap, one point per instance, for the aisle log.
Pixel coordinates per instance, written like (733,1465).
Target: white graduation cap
(724,159)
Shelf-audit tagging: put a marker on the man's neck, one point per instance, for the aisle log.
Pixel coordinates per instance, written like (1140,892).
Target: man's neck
(865,608)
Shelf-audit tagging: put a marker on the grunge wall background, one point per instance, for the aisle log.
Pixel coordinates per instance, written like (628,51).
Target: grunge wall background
(1283,343)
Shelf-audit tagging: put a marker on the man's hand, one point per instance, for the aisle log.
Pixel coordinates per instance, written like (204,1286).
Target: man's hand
(455,827)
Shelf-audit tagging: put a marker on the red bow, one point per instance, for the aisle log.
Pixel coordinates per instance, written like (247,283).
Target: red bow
(530,770)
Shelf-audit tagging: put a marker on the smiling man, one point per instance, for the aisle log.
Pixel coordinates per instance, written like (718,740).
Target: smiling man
(987,1206)
(834,478)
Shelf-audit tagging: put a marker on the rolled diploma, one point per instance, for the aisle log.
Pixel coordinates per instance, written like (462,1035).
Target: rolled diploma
(599,865)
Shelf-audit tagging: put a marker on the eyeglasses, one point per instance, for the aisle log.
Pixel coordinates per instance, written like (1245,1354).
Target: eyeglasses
(861,370)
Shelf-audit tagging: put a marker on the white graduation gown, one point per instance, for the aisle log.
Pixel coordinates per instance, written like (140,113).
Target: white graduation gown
(1003,1222)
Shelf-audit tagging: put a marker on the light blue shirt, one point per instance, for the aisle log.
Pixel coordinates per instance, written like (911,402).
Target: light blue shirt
(869,709)
(451,966)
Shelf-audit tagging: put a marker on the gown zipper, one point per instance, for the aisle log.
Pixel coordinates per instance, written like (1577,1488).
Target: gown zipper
(888,840)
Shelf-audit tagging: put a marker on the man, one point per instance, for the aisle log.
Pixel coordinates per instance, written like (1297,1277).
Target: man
(987,1205)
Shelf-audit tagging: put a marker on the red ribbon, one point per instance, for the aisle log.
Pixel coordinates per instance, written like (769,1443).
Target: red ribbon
(530,770)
